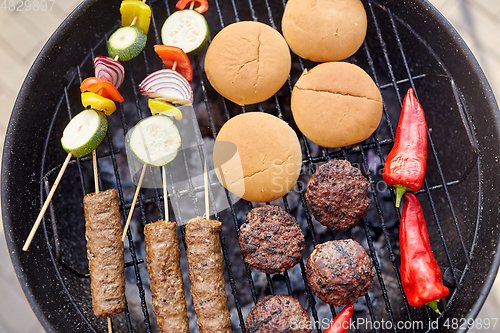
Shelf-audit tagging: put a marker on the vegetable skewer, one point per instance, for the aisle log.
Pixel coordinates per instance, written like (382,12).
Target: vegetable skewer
(155,140)
(98,94)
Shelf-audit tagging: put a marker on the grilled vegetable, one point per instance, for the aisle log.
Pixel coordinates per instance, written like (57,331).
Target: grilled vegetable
(99,103)
(167,85)
(155,140)
(127,43)
(137,13)
(84,133)
(102,88)
(342,321)
(405,165)
(186,29)
(165,108)
(200,6)
(420,273)
(110,70)
(175,58)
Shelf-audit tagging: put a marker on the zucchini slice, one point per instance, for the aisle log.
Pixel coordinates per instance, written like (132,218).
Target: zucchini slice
(155,140)
(186,29)
(84,132)
(127,43)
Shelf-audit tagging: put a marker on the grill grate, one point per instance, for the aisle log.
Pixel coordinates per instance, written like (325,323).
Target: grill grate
(386,56)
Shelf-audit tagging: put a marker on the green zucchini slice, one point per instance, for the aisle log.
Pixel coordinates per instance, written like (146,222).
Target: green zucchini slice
(127,43)
(186,29)
(84,132)
(155,140)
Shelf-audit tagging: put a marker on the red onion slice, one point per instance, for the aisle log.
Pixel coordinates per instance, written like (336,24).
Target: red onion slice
(167,85)
(109,70)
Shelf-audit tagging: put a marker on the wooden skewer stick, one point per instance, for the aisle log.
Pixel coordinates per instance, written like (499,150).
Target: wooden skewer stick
(131,212)
(205,178)
(165,193)
(96,179)
(110,326)
(46,203)
(134,21)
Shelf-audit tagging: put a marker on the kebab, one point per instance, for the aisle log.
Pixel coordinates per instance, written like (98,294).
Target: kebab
(105,251)
(204,256)
(86,130)
(165,275)
(161,239)
(83,135)
(154,141)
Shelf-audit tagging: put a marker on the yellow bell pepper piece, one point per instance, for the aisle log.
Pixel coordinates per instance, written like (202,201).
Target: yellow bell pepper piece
(130,9)
(99,103)
(165,108)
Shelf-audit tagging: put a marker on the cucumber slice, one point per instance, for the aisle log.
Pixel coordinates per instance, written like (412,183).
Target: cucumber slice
(127,43)
(155,140)
(186,29)
(84,132)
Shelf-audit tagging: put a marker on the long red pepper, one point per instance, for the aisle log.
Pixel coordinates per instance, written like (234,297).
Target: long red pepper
(420,273)
(405,165)
(342,322)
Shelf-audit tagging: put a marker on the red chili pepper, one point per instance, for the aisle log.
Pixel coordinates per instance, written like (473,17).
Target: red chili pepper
(420,273)
(405,166)
(101,87)
(171,55)
(200,6)
(342,322)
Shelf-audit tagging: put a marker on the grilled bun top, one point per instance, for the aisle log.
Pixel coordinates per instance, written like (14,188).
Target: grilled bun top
(257,156)
(247,62)
(336,104)
(324,30)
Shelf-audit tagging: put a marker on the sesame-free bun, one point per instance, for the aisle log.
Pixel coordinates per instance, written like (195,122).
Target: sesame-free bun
(257,156)
(336,104)
(247,62)
(324,30)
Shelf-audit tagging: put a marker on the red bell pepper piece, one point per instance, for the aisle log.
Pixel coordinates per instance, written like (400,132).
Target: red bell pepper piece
(171,55)
(405,165)
(200,6)
(342,322)
(104,88)
(420,273)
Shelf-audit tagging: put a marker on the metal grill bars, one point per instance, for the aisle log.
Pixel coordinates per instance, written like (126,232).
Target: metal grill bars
(375,144)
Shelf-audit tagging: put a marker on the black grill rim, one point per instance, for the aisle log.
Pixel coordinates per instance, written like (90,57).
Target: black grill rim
(64,100)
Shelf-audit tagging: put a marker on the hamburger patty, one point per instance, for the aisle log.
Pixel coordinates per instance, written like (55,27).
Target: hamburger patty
(337,195)
(271,239)
(278,314)
(339,272)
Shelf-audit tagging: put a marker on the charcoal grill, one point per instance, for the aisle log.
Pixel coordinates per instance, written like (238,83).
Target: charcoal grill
(409,44)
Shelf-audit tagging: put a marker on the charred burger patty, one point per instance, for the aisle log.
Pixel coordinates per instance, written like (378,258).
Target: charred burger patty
(339,272)
(278,314)
(337,195)
(271,239)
